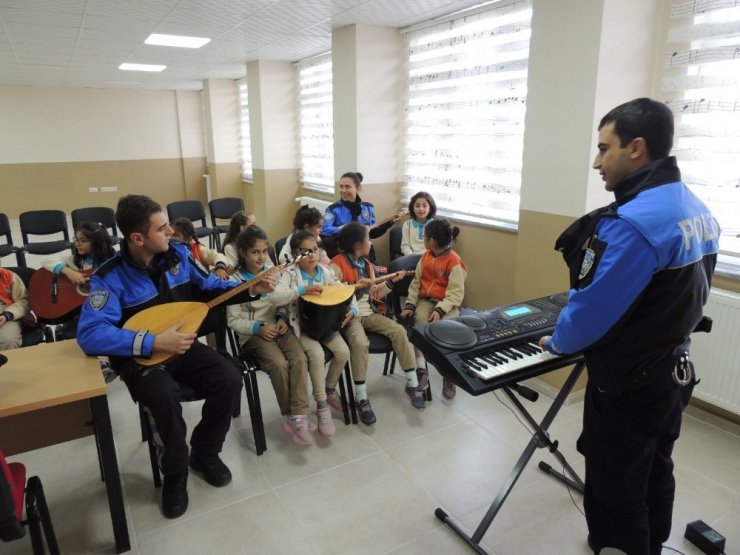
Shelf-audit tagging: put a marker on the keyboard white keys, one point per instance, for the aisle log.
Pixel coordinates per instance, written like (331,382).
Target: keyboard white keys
(488,365)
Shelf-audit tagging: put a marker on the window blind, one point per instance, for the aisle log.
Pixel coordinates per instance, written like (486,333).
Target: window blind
(316,122)
(246,140)
(466,92)
(701,85)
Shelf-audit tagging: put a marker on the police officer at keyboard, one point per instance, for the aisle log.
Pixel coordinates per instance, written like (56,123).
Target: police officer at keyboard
(640,273)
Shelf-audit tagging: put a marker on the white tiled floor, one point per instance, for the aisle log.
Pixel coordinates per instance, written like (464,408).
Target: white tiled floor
(369,490)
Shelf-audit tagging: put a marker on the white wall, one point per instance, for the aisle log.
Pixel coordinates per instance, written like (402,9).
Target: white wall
(222,118)
(61,124)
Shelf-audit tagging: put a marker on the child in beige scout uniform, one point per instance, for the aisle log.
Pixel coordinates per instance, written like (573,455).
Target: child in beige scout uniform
(265,335)
(296,281)
(13,307)
(353,266)
(437,289)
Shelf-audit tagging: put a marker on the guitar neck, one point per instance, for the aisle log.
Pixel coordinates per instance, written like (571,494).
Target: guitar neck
(223,297)
(376,281)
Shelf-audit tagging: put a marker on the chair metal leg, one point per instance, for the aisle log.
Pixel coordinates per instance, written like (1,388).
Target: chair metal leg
(251,389)
(350,393)
(156,476)
(343,400)
(36,498)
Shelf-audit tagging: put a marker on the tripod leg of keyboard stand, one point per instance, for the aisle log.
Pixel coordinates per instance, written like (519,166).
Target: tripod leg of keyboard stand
(474,540)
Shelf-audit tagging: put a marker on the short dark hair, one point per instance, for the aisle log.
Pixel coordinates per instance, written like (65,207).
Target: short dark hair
(246,240)
(430,201)
(351,234)
(442,231)
(133,214)
(646,118)
(306,215)
(297,238)
(356,177)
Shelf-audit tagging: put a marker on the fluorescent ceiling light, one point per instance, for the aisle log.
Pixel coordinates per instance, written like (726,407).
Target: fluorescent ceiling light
(141,67)
(176,40)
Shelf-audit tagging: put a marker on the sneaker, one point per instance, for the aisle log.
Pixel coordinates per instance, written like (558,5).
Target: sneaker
(417,396)
(297,426)
(448,389)
(367,415)
(334,401)
(175,494)
(215,472)
(326,425)
(423,375)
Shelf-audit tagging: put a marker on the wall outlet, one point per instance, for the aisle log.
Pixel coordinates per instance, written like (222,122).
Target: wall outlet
(108,189)
(92,189)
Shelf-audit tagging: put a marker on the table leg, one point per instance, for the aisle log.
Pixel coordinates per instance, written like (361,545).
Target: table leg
(104,434)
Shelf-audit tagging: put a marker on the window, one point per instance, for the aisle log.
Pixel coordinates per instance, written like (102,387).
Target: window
(465,103)
(246,140)
(316,123)
(701,84)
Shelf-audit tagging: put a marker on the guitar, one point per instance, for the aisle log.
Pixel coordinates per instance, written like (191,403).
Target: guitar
(376,281)
(157,319)
(53,296)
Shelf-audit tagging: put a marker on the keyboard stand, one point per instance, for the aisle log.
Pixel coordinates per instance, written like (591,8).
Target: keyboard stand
(539,439)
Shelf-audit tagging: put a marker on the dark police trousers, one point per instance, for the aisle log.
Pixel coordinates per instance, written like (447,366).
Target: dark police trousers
(213,377)
(627,442)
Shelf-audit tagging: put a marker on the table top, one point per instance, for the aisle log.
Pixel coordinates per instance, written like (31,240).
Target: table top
(47,375)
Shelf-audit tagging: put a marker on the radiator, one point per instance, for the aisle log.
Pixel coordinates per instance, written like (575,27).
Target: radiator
(717,355)
(322,205)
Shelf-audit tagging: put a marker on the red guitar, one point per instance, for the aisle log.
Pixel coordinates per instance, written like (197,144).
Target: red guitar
(53,296)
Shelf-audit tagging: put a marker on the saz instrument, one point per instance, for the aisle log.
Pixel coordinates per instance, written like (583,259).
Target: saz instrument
(322,314)
(53,296)
(159,318)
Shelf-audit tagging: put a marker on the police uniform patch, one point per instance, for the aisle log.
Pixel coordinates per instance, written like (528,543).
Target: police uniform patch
(588,262)
(366,215)
(175,269)
(98,299)
(329,216)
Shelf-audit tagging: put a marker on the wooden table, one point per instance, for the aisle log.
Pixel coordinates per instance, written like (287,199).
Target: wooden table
(52,393)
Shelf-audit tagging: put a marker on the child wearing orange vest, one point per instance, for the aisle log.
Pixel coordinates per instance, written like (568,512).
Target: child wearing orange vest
(353,266)
(437,289)
(184,231)
(13,307)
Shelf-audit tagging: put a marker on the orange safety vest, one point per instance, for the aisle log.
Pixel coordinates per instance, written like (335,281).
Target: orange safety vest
(6,286)
(350,275)
(435,273)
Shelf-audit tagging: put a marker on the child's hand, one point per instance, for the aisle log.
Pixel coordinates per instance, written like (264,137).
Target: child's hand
(268,332)
(75,277)
(407,313)
(281,326)
(222,273)
(347,319)
(314,289)
(434,316)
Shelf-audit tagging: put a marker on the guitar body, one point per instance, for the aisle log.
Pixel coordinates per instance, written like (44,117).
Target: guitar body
(53,297)
(157,319)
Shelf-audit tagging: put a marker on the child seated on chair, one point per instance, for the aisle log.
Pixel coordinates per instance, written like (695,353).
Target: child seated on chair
(353,266)
(422,210)
(265,335)
(310,219)
(298,280)
(438,288)
(13,307)
(92,246)
(184,232)
(239,222)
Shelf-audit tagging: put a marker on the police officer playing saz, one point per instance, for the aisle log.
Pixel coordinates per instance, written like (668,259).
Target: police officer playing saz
(148,271)
(640,273)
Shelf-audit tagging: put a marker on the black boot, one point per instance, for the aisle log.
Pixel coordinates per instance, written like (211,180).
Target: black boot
(215,472)
(175,494)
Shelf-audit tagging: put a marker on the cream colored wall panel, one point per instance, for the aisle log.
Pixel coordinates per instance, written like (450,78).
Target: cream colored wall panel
(49,124)
(190,115)
(221,101)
